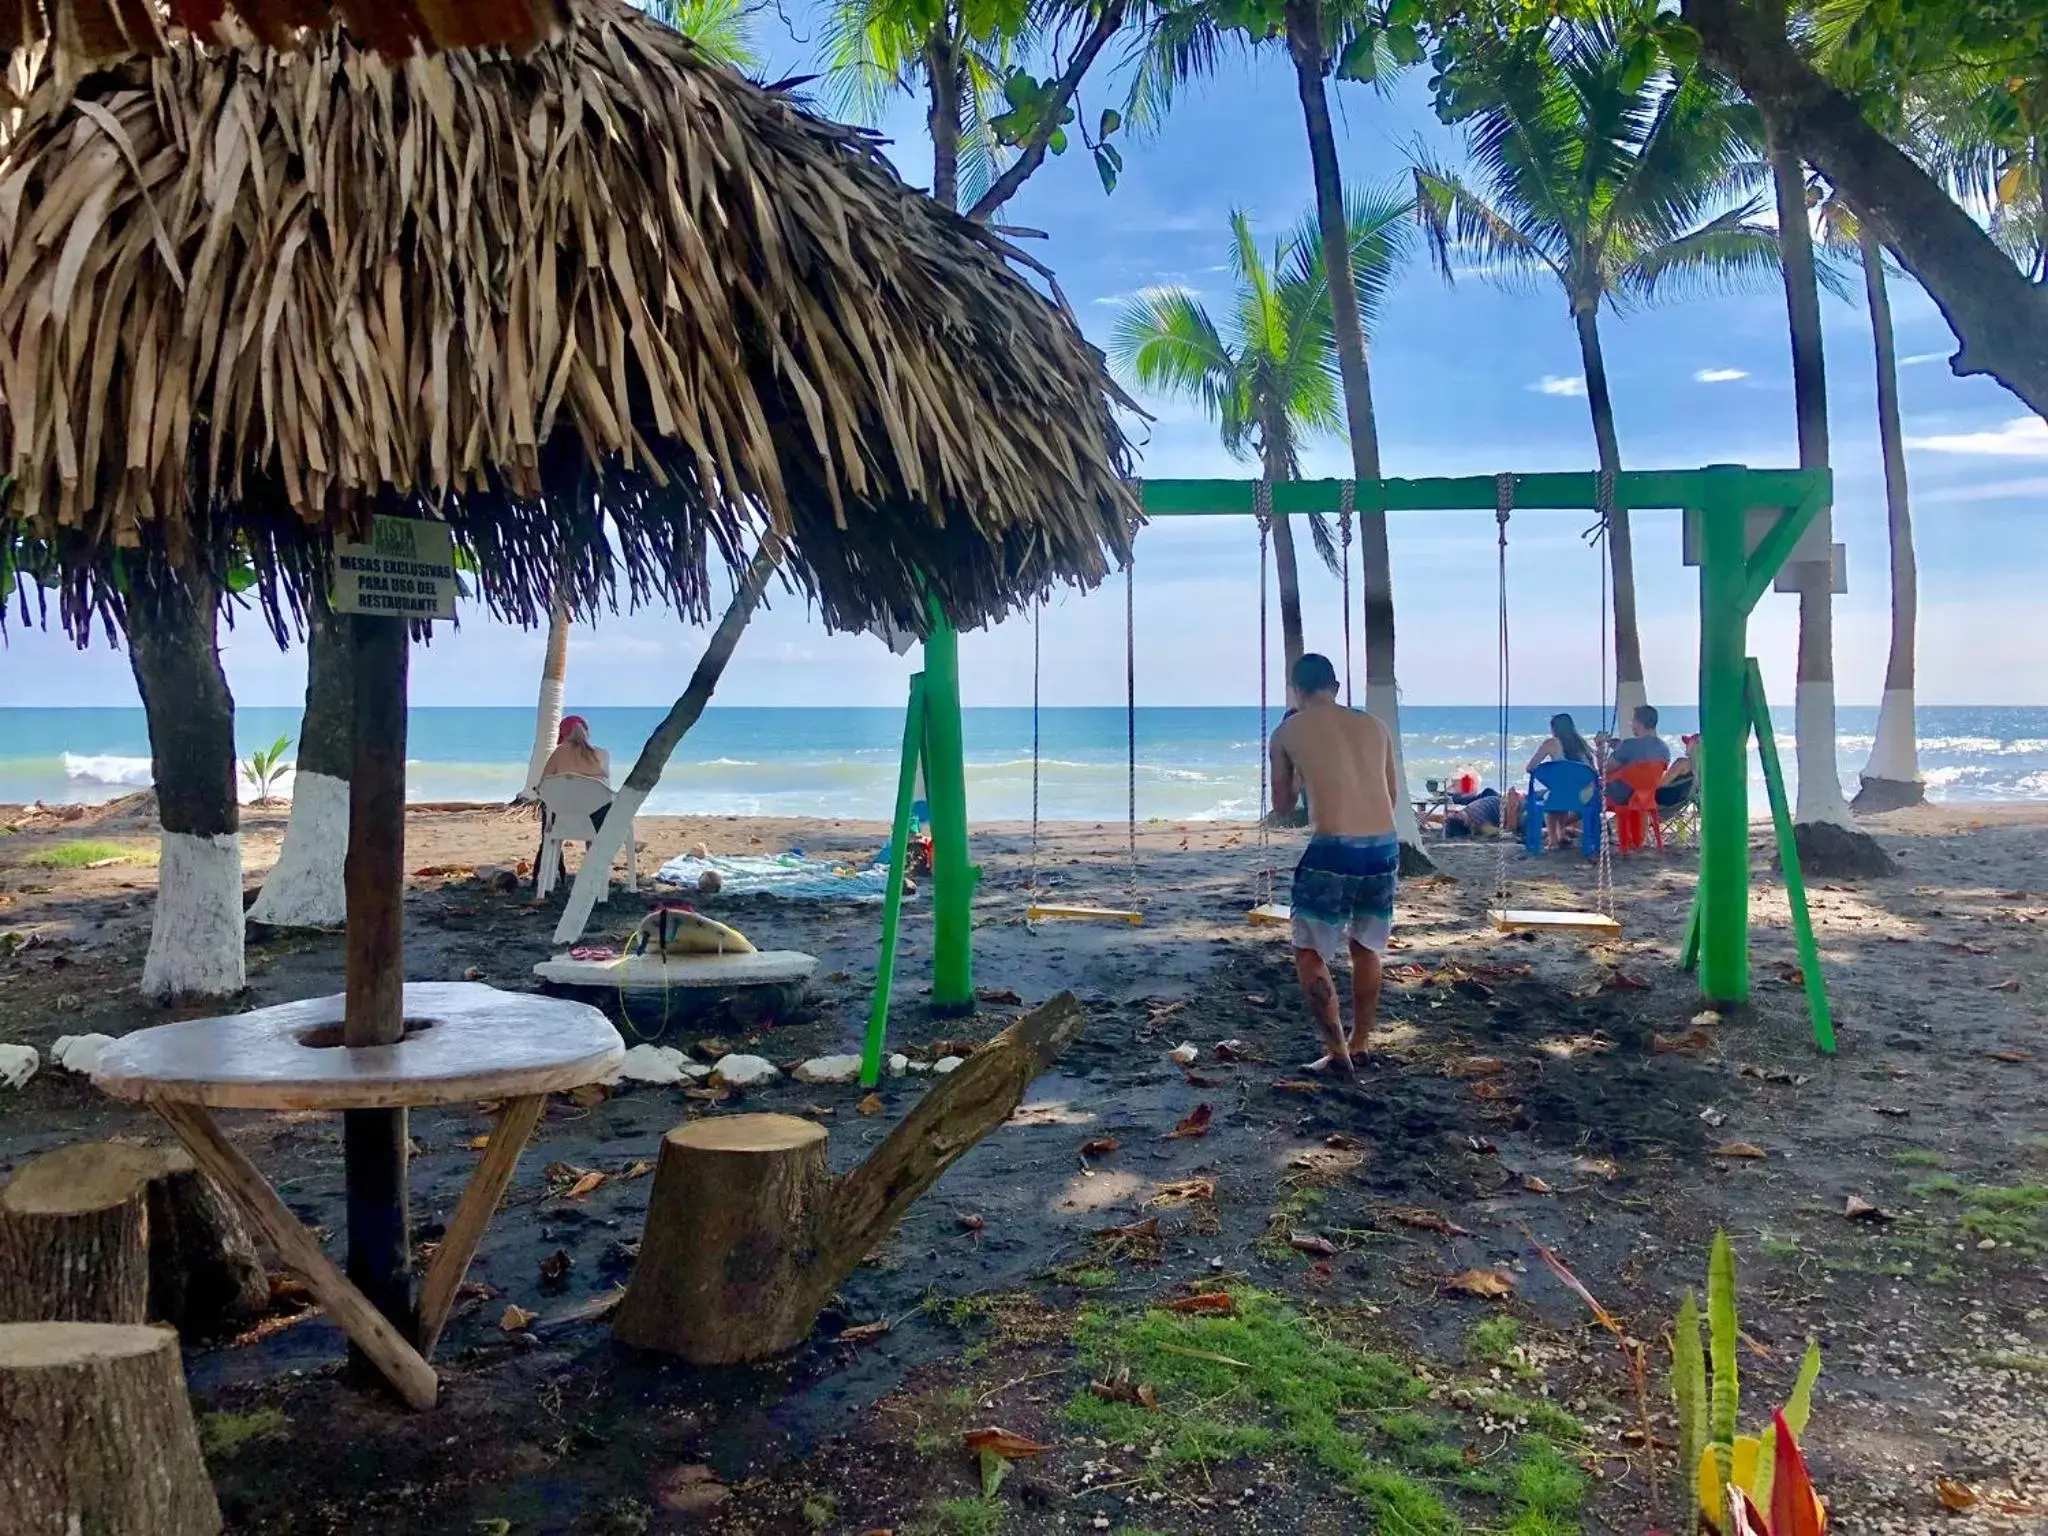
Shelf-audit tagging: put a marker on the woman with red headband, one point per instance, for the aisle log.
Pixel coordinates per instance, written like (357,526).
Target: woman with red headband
(574,756)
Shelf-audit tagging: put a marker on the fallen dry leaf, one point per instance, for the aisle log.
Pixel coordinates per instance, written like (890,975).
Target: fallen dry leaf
(972,1224)
(1343,1143)
(1858,1209)
(1485,1088)
(1002,1442)
(478,1143)
(1535,1186)
(716,1093)
(1120,1389)
(589,1095)
(689,1490)
(1312,1242)
(1955,1496)
(1295,1085)
(860,1333)
(1181,1191)
(1195,1124)
(1476,1066)
(584,1185)
(1740,1149)
(2010,1056)
(1624,981)
(1217,1302)
(1100,1146)
(1692,1040)
(516,1319)
(2010,984)
(1423,1220)
(1599,1167)
(1149,1227)
(871,1104)
(1488,1284)
(639,1170)
(1324,1163)
(1236,1050)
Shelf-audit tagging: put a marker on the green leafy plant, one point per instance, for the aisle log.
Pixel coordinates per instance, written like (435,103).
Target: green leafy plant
(1719,1462)
(266,766)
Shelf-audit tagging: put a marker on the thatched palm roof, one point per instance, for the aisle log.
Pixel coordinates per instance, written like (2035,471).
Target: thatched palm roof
(98,30)
(605,306)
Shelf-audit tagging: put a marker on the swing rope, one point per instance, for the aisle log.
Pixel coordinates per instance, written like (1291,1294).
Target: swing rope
(1604,502)
(1503,506)
(1350,492)
(1037,614)
(1262,514)
(1131,723)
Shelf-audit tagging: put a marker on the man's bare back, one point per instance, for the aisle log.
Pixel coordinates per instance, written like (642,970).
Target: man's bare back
(1345,760)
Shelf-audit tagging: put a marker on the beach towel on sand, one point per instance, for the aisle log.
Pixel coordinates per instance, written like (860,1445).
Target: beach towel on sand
(788,876)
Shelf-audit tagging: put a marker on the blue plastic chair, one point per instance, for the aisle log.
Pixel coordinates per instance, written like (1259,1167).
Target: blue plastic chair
(1563,789)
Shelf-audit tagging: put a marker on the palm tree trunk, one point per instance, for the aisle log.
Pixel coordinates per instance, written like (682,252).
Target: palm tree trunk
(654,756)
(1376,565)
(1286,570)
(195,936)
(554,680)
(942,116)
(1629,688)
(304,889)
(1891,779)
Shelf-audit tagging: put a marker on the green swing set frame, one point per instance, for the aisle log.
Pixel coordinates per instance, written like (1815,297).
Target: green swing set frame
(1748,521)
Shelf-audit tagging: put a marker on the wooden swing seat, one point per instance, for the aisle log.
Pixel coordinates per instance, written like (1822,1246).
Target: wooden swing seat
(1039,912)
(1531,919)
(1271,914)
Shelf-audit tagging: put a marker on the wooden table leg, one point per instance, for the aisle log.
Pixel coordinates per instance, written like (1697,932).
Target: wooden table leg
(367,1328)
(480,1197)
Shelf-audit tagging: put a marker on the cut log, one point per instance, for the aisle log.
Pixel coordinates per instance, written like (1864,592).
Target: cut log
(748,1234)
(99,1434)
(74,1237)
(66,1222)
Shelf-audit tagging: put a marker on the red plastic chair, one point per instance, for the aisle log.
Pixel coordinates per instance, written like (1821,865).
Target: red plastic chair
(1641,780)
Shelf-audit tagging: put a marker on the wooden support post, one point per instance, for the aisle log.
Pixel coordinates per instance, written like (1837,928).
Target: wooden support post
(382,1344)
(374,1141)
(480,1198)
(100,1436)
(748,1233)
(73,1244)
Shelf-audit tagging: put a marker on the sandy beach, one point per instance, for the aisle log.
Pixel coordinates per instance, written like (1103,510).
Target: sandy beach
(1552,1090)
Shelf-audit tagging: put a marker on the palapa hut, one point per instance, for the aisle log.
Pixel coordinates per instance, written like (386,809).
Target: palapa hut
(609,310)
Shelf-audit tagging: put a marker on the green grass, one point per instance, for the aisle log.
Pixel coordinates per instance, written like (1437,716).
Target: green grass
(968,1517)
(1919,1157)
(819,1510)
(222,1434)
(1492,1340)
(79,854)
(1270,1380)
(2010,1215)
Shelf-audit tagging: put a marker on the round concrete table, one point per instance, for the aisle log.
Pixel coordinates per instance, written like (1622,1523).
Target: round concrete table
(463,1042)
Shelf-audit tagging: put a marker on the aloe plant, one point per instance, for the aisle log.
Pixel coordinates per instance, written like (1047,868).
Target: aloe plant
(1722,1343)
(1689,1386)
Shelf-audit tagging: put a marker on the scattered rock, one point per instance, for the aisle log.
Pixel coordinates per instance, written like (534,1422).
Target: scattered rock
(829,1069)
(18,1064)
(656,1064)
(1184,1054)
(917,1066)
(79,1053)
(745,1071)
(496,877)
(946,1064)
(898,1065)
(710,883)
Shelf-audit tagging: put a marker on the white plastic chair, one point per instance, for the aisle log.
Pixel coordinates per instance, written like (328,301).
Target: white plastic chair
(568,805)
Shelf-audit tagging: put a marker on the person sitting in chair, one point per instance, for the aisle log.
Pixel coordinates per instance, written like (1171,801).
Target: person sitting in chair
(1563,745)
(1677,788)
(1644,745)
(574,757)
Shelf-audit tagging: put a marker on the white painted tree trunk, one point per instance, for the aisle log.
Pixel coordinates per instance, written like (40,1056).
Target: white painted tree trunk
(589,885)
(304,888)
(554,683)
(1383,703)
(1820,782)
(195,941)
(1628,697)
(1895,754)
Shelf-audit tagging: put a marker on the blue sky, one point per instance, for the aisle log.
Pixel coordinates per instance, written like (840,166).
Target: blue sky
(1468,379)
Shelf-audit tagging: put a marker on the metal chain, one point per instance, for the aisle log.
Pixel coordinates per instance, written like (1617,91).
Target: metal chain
(1262,514)
(1131,720)
(1037,614)
(1503,505)
(1349,495)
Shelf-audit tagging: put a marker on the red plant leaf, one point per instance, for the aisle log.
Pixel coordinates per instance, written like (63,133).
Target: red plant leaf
(1005,1443)
(1209,1301)
(1196,1123)
(1795,1510)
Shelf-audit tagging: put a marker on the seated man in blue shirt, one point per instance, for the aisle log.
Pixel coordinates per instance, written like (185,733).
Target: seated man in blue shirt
(1644,745)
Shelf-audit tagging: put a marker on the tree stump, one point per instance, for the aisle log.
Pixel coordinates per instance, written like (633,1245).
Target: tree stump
(111,1233)
(74,1230)
(748,1233)
(100,1436)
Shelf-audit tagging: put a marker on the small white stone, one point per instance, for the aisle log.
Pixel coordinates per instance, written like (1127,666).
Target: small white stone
(79,1053)
(652,1064)
(694,1071)
(1185,1054)
(898,1065)
(18,1064)
(947,1064)
(829,1069)
(918,1066)
(745,1071)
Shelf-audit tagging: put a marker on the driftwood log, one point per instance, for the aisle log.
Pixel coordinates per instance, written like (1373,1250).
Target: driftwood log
(100,1436)
(105,1232)
(748,1233)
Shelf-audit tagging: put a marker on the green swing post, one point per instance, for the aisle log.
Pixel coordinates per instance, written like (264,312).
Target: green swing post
(1788,858)
(953,876)
(892,902)
(1722,904)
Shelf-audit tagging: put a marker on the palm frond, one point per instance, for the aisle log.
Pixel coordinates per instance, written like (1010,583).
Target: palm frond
(1734,253)
(869,53)
(1457,219)
(1381,226)
(722,28)
(1182,42)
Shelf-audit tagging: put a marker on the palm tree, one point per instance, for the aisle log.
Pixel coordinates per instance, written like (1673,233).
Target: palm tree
(1607,176)
(1268,377)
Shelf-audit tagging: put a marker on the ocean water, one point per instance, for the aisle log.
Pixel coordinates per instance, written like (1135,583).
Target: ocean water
(1193,764)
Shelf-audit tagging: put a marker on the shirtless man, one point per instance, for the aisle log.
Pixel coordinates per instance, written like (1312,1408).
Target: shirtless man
(1344,885)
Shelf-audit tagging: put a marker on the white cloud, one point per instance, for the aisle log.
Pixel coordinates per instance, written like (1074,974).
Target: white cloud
(2031,488)
(1559,384)
(1151,291)
(1918,358)
(1719,375)
(2023,437)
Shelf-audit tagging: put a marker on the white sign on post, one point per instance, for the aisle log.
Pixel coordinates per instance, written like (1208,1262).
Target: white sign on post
(406,571)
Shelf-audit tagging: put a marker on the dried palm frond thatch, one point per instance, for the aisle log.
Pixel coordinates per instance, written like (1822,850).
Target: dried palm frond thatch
(93,31)
(604,307)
